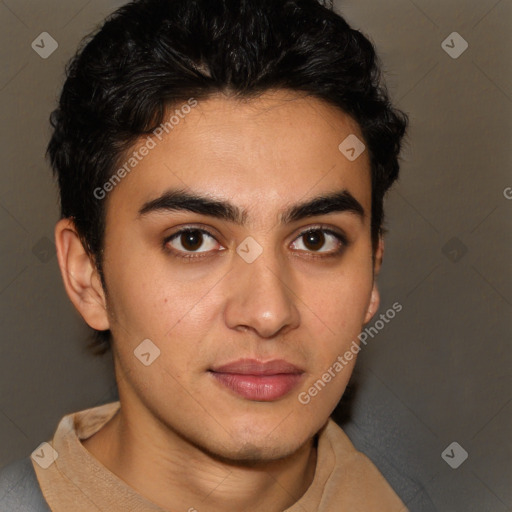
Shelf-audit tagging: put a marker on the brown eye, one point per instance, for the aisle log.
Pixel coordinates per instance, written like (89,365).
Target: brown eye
(323,241)
(314,240)
(189,241)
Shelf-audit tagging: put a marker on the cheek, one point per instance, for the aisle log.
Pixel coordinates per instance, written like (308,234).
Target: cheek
(151,296)
(175,317)
(339,307)
(343,301)
(340,300)
(176,311)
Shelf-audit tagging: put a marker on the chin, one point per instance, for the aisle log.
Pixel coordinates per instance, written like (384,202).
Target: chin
(245,447)
(251,454)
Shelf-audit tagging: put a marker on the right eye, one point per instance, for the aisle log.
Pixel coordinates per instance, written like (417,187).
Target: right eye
(190,241)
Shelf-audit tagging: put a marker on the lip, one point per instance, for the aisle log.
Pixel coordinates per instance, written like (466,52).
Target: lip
(257,380)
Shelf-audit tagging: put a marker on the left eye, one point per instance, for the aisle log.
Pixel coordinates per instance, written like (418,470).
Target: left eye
(319,240)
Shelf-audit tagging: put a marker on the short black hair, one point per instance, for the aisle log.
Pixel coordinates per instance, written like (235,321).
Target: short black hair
(150,55)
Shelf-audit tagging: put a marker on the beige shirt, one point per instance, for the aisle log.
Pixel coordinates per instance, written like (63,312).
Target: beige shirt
(345,480)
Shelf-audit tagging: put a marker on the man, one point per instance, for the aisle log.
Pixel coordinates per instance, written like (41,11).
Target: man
(222,167)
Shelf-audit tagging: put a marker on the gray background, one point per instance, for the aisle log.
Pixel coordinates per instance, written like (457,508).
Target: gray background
(439,372)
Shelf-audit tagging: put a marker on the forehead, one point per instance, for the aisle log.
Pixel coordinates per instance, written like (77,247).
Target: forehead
(261,154)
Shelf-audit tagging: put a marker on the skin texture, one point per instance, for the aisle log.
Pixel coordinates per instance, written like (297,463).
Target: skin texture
(181,437)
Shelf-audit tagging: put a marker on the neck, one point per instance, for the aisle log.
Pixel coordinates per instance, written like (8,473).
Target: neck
(176,475)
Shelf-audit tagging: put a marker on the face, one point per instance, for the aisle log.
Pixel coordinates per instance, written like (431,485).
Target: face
(240,245)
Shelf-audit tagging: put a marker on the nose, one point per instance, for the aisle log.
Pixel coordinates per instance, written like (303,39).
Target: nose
(260,297)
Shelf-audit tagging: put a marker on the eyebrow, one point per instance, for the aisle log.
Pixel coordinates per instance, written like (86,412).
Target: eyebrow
(182,200)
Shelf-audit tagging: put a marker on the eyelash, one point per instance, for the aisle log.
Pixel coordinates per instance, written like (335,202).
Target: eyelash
(342,239)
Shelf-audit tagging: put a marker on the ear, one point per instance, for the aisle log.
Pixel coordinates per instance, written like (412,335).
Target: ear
(81,279)
(375,296)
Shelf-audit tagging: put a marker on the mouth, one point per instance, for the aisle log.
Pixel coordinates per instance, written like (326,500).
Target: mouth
(258,381)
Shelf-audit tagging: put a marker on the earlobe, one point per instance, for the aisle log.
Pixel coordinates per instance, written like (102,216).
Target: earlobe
(80,276)
(374,304)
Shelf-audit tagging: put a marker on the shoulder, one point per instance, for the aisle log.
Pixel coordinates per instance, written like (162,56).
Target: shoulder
(19,488)
(380,458)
